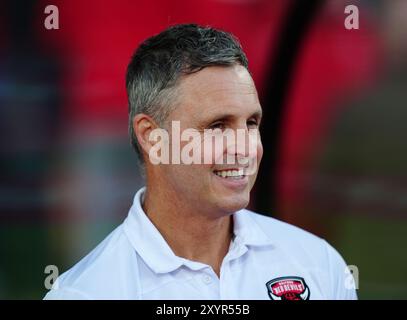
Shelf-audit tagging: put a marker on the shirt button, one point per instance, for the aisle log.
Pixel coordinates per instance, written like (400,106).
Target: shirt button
(206,279)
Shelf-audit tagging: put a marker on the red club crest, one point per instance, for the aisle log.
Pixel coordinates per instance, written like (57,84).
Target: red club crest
(288,288)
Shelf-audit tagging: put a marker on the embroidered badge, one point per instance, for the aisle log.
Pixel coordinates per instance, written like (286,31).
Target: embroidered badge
(288,288)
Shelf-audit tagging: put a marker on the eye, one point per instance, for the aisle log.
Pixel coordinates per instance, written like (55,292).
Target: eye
(252,123)
(217,125)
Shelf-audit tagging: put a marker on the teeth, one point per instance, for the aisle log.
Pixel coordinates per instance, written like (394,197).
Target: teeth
(230,173)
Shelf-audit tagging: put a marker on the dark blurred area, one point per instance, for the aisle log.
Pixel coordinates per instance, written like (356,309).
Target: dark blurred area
(334,132)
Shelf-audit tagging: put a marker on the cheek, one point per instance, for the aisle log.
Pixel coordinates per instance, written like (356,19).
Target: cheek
(212,151)
(259,151)
(255,148)
(193,173)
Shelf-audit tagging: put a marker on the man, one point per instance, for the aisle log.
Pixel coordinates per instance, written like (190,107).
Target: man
(187,235)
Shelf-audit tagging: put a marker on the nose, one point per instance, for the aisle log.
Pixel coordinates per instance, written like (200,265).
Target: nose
(244,147)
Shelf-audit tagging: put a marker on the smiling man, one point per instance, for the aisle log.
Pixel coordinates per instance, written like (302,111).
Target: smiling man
(188,234)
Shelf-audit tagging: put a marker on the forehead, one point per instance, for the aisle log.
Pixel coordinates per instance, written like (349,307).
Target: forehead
(217,89)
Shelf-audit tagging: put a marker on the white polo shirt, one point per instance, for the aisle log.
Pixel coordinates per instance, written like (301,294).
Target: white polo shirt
(267,259)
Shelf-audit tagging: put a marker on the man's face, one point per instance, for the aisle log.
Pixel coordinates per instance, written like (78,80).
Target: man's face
(222,98)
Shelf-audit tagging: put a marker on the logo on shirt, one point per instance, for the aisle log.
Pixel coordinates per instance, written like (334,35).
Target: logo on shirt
(288,288)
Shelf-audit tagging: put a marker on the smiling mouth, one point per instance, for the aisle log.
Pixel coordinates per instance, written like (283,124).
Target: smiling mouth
(232,174)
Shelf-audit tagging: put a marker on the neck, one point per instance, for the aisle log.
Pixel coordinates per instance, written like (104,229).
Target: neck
(190,233)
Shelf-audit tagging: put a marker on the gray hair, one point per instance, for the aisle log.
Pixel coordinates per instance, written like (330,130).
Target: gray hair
(161,60)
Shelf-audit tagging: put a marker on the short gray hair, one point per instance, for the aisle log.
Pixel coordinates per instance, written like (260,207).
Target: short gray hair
(159,61)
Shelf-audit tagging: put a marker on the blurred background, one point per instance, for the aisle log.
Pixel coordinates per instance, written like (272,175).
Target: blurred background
(334,129)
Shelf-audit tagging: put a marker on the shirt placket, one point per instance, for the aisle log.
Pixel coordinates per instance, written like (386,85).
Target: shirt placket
(227,281)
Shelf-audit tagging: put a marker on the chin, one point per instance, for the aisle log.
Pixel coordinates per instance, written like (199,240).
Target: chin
(233,203)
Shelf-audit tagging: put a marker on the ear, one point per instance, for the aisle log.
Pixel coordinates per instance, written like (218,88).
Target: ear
(143,125)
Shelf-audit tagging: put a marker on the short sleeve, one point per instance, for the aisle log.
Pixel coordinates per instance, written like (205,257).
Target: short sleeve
(65,294)
(343,285)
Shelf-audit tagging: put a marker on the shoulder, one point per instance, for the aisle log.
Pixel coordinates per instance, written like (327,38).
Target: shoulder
(309,250)
(97,273)
(291,238)
(284,233)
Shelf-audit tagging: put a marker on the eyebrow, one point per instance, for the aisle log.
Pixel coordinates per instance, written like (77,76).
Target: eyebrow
(228,116)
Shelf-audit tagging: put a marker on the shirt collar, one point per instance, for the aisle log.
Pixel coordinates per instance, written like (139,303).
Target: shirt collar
(247,231)
(155,251)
